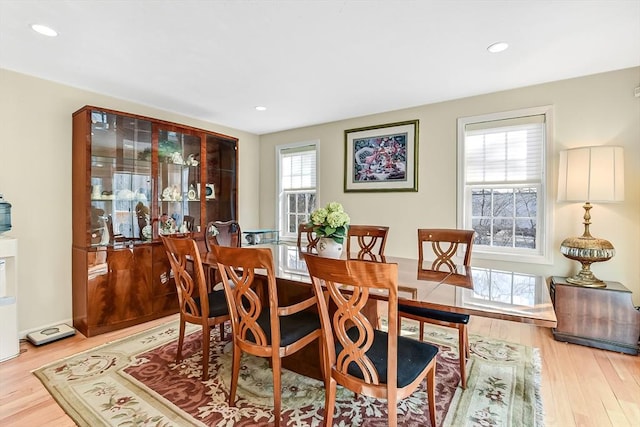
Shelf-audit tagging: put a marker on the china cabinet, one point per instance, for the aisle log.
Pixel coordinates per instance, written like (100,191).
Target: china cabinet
(136,178)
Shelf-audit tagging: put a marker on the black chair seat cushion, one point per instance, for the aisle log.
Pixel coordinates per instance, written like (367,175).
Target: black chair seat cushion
(217,304)
(430,313)
(292,327)
(413,356)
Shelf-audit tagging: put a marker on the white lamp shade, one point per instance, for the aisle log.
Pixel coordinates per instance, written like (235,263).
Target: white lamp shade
(591,174)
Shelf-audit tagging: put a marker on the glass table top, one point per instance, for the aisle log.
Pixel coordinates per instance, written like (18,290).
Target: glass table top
(471,290)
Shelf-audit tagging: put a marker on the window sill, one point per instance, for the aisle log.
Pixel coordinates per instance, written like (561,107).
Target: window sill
(513,257)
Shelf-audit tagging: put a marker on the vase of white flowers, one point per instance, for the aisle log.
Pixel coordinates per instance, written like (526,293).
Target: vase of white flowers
(330,224)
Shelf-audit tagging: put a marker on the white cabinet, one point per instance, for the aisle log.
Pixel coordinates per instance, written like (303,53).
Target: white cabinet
(9,342)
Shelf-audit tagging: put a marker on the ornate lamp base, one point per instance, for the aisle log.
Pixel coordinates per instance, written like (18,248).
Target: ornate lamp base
(587,249)
(586,278)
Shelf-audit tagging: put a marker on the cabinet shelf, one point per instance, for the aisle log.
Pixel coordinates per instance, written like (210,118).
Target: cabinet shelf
(115,199)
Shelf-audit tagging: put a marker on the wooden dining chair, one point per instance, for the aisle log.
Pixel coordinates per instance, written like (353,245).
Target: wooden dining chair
(113,236)
(356,355)
(262,328)
(197,305)
(371,240)
(228,234)
(444,245)
(307,238)
(190,221)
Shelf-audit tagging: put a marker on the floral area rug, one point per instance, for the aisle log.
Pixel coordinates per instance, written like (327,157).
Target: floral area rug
(136,382)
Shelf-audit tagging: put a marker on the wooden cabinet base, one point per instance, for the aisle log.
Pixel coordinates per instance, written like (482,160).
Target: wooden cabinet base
(597,343)
(121,288)
(596,317)
(102,329)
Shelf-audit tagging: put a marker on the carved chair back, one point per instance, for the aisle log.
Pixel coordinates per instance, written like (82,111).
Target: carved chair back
(371,240)
(444,244)
(307,238)
(228,234)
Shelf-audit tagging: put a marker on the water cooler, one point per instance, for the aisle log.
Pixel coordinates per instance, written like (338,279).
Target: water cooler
(9,342)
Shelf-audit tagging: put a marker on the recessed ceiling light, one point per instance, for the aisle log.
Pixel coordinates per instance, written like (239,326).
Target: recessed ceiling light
(498,47)
(44,30)
(261,108)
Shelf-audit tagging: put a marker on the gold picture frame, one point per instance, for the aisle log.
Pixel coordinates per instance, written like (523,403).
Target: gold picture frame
(381,158)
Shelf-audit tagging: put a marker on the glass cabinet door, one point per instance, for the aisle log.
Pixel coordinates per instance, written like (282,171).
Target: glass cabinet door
(148,179)
(221,180)
(178,176)
(121,186)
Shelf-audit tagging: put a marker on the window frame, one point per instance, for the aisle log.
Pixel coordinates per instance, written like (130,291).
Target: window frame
(281,219)
(544,226)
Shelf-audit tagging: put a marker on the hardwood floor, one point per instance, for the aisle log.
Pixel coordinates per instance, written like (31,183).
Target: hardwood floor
(581,386)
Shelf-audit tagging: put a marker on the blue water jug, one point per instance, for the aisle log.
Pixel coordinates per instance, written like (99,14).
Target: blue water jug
(5,215)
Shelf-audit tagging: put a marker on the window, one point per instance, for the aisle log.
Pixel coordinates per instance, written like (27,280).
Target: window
(297,186)
(502,183)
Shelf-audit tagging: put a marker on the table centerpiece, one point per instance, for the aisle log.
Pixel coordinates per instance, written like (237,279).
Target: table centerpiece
(330,224)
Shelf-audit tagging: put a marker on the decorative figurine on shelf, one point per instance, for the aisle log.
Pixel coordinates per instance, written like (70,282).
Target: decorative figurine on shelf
(167,224)
(171,194)
(140,195)
(99,230)
(191,194)
(166,194)
(96,193)
(191,161)
(147,232)
(144,215)
(125,194)
(176,158)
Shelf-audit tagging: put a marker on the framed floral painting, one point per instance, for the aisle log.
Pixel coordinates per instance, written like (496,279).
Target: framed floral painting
(382,158)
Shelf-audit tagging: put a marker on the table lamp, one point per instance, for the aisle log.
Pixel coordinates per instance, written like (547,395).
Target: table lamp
(590,174)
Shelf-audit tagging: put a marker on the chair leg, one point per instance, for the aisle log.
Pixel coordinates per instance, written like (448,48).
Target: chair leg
(180,340)
(235,372)
(421,330)
(431,394)
(392,402)
(221,326)
(325,370)
(462,354)
(277,389)
(466,340)
(206,347)
(330,402)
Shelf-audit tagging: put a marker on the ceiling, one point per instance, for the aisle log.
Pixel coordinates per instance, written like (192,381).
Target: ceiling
(312,62)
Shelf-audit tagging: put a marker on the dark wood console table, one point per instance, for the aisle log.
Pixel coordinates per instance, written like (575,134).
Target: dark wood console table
(597,317)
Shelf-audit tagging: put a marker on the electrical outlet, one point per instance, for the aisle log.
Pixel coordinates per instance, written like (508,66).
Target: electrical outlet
(636,92)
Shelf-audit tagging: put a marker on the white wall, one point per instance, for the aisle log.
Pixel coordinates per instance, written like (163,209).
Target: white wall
(593,110)
(35,177)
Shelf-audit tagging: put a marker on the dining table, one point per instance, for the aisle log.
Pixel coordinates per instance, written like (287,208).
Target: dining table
(477,291)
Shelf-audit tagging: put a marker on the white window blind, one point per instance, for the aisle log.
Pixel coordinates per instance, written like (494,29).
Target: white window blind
(298,168)
(505,151)
(297,187)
